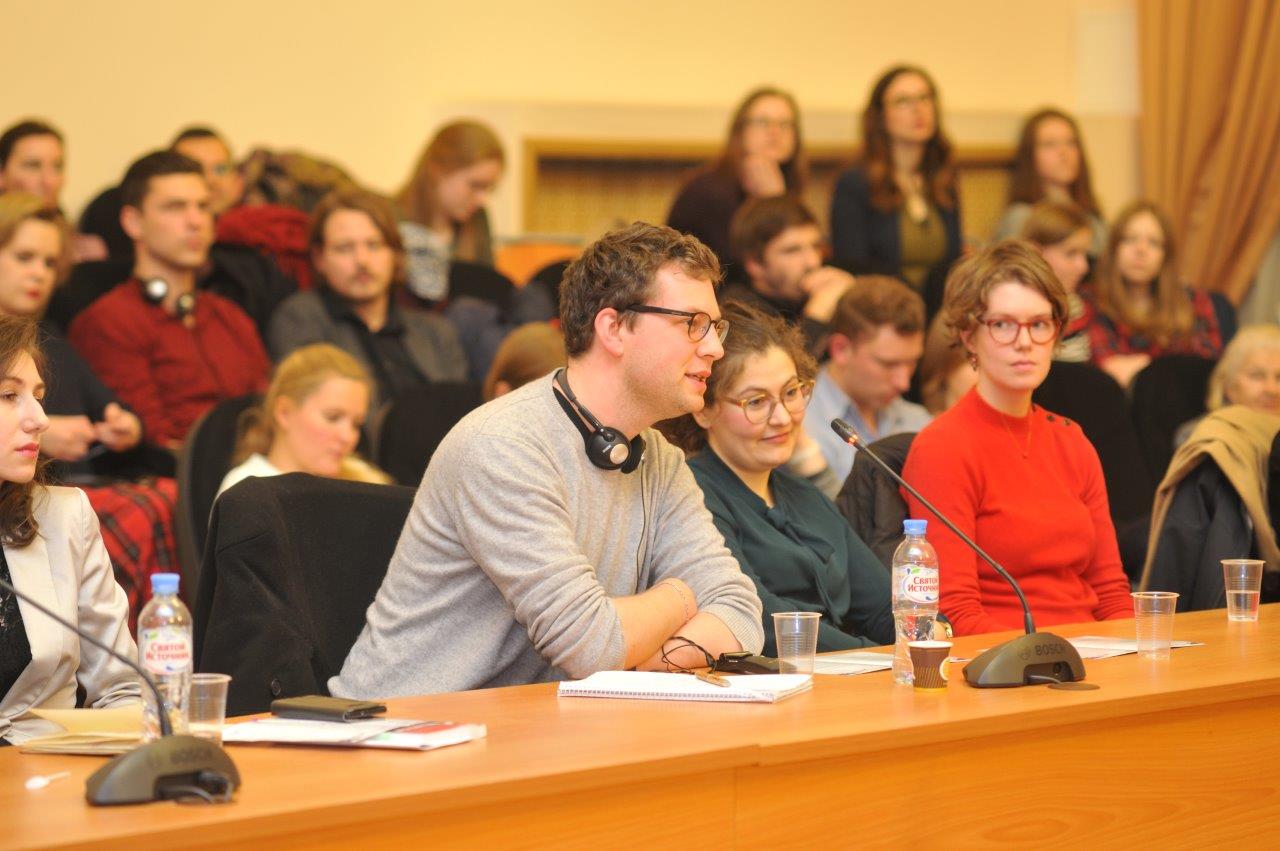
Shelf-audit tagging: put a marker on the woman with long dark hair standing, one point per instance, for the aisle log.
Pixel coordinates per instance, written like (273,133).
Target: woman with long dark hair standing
(897,212)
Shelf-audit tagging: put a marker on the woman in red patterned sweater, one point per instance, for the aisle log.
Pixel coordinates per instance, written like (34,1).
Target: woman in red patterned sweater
(1022,482)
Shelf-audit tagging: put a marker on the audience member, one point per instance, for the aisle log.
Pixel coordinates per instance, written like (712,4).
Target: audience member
(877,339)
(780,246)
(1062,233)
(1050,165)
(309,421)
(762,157)
(786,535)
(1025,484)
(531,351)
(443,217)
(898,211)
(946,374)
(1248,374)
(52,551)
(449,247)
(33,160)
(91,438)
(529,557)
(204,145)
(358,257)
(1144,309)
(169,351)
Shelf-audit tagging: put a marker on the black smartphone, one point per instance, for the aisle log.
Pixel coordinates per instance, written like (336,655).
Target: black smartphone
(742,662)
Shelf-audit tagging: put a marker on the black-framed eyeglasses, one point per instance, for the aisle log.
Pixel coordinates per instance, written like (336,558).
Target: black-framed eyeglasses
(759,407)
(699,323)
(1005,329)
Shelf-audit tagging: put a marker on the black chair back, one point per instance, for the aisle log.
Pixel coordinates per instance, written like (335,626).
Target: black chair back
(870,500)
(204,461)
(1165,395)
(407,430)
(292,565)
(1092,399)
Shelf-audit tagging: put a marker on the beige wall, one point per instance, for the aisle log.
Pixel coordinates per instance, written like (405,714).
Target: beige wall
(365,82)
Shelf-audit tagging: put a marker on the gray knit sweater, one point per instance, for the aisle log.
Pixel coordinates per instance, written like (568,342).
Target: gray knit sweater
(513,548)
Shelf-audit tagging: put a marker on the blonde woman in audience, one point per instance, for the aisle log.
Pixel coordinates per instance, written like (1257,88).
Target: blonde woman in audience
(945,371)
(763,157)
(1051,165)
(53,551)
(1144,308)
(898,211)
(309,421)
(1247,374)
(1062,233)
(531,351)
(442,205)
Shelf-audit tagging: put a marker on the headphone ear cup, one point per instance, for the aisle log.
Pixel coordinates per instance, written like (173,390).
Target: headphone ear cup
(635,457)
(608,449)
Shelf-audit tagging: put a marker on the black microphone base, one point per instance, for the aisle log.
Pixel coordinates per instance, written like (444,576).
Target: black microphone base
(1040,657)
(170,767)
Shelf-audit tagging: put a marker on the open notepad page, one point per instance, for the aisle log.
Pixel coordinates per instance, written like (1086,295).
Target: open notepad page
(651,685)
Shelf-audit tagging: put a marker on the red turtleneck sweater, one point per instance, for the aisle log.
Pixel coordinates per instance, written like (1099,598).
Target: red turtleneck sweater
(1030,491)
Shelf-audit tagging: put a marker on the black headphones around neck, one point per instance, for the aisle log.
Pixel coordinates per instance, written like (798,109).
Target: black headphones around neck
(155,290)
(607,447)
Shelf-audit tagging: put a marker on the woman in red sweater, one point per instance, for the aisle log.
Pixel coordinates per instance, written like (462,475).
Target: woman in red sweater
(1022,482)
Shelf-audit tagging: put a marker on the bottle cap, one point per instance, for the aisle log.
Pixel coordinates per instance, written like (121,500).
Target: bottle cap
(914,527)
(164,583)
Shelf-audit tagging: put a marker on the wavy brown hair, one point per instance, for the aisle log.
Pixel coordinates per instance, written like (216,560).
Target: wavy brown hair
(1171,315)
(753,332)
(795,171)
(18,525)
(972,279)
(877,154)
(1027,187)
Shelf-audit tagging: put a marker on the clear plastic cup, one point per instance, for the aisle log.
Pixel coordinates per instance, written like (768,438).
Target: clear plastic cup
(1153,614)
(207,706)
(1242,580)
(797,637)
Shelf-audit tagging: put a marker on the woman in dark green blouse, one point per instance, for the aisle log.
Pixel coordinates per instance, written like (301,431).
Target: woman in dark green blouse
(787,536)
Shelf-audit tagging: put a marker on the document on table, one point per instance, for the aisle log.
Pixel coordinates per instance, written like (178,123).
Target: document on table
(655,685)
(849,662)
(98,732)
(397,733)
(1104,647)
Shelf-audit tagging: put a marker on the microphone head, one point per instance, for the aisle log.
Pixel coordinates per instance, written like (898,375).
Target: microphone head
(846,431)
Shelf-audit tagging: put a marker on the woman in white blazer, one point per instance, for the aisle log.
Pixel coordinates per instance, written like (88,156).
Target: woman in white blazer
(52,552)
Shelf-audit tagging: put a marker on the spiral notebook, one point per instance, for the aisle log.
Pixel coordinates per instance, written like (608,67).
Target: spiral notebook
(650,685)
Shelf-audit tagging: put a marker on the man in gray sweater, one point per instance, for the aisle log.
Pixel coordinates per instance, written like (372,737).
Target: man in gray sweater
(556,533)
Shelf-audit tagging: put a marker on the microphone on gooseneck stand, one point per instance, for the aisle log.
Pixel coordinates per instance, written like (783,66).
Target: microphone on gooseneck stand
(1037,657)
(173,766)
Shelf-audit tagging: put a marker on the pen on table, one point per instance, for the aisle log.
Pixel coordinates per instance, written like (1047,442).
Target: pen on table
(708,677)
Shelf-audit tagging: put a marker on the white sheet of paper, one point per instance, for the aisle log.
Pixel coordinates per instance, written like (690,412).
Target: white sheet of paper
(1105,647)
(301,731)
(850,662)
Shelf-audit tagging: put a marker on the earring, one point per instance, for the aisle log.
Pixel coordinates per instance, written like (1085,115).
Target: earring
(973,361)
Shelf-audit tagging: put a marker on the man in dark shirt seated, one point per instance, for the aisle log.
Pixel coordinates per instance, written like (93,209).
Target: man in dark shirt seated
(358,256)
(781,247)
(169,352)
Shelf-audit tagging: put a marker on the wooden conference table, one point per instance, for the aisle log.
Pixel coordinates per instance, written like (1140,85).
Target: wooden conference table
(1182,752)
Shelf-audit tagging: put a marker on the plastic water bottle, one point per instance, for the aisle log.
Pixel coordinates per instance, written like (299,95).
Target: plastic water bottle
(915,595)
(164,649)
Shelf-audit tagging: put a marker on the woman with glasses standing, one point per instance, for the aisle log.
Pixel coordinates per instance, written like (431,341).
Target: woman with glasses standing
(789,538)
(762,158)
(898,211)
(1023,483)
